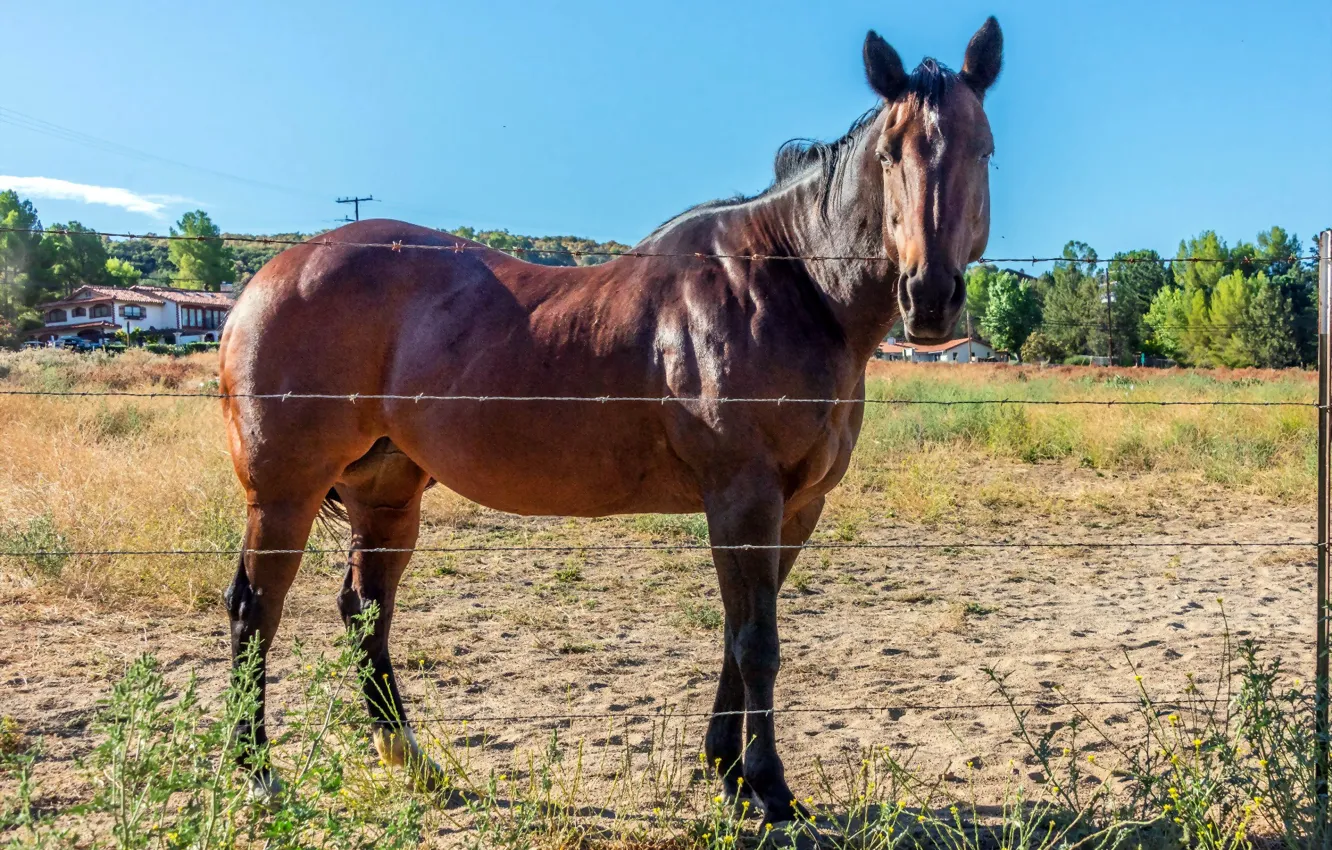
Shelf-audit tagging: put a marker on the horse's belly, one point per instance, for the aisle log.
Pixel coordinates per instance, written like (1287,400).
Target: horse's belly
(525,458)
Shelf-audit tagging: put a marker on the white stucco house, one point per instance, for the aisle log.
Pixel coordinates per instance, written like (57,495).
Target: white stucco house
(954,351)
(95,313)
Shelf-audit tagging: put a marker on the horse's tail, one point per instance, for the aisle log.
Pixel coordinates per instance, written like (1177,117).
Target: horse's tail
(333,517)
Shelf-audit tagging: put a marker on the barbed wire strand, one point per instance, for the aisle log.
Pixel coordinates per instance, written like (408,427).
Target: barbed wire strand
(675,547)
(663,400)
(398,246)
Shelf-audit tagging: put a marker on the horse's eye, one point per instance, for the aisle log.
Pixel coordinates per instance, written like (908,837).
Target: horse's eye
(886,158)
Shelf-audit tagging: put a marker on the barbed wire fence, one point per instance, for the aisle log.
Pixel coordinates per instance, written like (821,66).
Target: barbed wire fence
(1082,348)
(1323,407)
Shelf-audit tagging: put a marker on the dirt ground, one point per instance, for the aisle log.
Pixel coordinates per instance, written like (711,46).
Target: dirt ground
(504,634)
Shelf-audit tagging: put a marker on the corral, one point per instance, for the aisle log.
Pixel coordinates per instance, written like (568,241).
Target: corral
(1071,549)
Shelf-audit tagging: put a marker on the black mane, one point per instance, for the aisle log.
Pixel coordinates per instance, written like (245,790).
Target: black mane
(928,85)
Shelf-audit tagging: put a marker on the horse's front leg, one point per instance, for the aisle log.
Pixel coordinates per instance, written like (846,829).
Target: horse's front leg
(725,739)
(748,511)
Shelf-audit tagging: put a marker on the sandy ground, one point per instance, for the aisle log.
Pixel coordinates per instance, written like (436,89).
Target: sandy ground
(501,634)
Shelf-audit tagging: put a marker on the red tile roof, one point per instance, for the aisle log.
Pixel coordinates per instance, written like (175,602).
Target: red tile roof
(901,347)
(144,294)
(89,294)
(189,297)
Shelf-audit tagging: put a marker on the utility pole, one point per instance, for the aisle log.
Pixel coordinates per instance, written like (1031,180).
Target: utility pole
(970,356)
(1109,320)
(356,205)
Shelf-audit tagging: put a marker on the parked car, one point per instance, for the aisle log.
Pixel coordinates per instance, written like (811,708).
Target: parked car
(32,344)
(76,344)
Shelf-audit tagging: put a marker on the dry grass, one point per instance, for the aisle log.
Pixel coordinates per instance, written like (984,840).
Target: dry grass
(144,473)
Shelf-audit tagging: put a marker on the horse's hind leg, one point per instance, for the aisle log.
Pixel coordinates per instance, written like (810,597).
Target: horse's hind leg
(254,604)
(382,492)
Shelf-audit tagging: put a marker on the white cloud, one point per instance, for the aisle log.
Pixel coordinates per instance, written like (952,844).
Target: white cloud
(111,196)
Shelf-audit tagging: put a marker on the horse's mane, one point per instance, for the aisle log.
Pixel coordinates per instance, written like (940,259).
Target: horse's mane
(928,86)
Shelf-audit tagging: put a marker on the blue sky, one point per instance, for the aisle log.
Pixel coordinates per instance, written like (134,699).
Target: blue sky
(1124,124)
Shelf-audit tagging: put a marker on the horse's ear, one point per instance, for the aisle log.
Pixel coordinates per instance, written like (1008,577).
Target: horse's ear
(985,56)
(883,67)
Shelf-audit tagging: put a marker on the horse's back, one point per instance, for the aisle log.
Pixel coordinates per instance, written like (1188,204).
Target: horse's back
(359,317)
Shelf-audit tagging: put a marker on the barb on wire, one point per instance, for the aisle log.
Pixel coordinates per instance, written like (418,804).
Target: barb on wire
(457,248)
(426,397)
(676,547)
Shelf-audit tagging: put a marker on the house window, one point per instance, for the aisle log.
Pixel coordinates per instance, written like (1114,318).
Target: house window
(196,317)
(56,316)
(132,311)
(101,311)
(79,311)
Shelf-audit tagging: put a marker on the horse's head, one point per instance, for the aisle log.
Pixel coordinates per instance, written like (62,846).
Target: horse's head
(934,147)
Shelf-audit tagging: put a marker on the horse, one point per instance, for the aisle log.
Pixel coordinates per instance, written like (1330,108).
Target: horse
(781,295)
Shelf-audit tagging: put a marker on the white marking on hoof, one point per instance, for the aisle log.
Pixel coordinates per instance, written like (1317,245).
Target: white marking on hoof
(799,834)
(398,748)
(265,788)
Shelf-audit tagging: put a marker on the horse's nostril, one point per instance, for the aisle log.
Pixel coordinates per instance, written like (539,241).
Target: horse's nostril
(904,292)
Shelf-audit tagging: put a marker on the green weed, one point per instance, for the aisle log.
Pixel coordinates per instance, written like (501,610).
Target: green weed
(39,547)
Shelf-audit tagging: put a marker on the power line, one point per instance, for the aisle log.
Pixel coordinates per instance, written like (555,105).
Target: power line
(47,128)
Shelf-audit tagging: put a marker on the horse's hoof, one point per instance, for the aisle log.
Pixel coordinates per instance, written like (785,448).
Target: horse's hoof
(398,748)
(428,777)
(744,802)
(793,834)
(265,788)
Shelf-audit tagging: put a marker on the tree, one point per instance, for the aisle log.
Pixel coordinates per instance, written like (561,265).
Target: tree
(1275,251)
(1167,317)
(1227,315)
(1135,279)
(1012,313)
(150,256)
(1210,263)
(1040,348)
(203,261)
(1272,341)
(17,251)
(978,293)
(122,273)
(1074,314)
(74,257)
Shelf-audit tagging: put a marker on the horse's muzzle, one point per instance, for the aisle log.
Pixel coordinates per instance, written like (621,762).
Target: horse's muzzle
(931,301)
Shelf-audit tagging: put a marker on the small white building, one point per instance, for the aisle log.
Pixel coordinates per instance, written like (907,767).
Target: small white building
(954,351)
(95,313)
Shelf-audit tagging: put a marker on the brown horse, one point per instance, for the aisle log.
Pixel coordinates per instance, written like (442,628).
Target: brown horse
(900,205)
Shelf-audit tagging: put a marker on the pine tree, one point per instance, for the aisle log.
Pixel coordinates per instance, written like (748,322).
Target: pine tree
(203,261)
(74,257)
(18,251)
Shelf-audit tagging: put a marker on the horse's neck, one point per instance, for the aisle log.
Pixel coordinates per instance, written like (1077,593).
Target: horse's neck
(861,293)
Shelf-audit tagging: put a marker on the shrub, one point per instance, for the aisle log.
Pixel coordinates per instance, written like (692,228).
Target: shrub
(40,537)
(1040,348)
